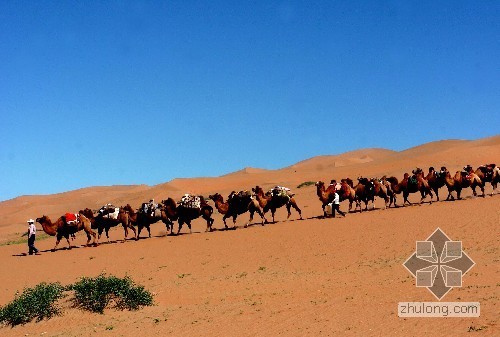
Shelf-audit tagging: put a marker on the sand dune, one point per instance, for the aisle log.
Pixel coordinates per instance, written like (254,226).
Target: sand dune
(312,277)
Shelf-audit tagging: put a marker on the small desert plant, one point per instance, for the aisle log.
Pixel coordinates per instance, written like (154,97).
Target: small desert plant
(95,294)
(306,183)
(38,302)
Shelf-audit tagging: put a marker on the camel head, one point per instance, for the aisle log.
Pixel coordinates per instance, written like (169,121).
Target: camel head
(320,184)
(348,181)
(431,169)
(258,190)
(87,212)
(468,169)
(43,220)
(392,180)
(216,197)
(418,170)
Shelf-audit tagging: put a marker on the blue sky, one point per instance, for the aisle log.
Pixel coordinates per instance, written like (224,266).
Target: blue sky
(141,92)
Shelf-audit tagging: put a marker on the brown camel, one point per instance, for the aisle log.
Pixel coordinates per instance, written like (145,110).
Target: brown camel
(460,181)
(488,173)
(408,185)
(237,203)
(363,192)
(436,180)
(380,190)
(325,195)
(268,201)
(109,216)
(61,229)
(346,192)
(144,219)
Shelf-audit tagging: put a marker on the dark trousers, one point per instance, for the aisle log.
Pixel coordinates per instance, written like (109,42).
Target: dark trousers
(31,245)
(335,207)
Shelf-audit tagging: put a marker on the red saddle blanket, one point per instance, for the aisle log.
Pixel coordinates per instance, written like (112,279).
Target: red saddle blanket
(70,217)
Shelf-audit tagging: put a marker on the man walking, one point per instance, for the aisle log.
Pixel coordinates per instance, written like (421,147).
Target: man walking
(31,237)
(336,205)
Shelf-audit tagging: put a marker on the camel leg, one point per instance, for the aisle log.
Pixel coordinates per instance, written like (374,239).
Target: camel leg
(89,233)
(262,217)
(405,197)
(58,239)
(149,231)
(224,219)
(99,231)
(288,206)
(67,240)
(210,221)
(251,218)
(188,223)
(107,233)
(133,230)
(181,222)
(294,205)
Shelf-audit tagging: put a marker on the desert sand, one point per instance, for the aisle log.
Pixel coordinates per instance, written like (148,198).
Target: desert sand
(311,277)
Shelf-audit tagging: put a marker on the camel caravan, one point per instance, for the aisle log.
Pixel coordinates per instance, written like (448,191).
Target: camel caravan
(192,207)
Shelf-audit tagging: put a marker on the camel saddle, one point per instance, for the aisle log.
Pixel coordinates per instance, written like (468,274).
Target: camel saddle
(466,175)
(71,219)
(109,211)
(190,201)
(280,191)
(413,180)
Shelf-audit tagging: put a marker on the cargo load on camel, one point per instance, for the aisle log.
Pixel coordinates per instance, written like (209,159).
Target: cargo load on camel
(190,201)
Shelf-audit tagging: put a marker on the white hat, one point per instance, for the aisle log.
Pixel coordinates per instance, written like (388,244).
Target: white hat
(30,221)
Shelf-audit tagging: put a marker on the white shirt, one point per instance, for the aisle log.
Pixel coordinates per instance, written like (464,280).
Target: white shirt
(336,199)
(31,229)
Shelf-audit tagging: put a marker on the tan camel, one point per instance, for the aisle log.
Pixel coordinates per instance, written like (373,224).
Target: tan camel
(325,195)
(237,203)
(61,229)
(460,181)
(103,221)
(144,219)
(347,192)
(272,202)
(381,190)
(436,180)
(362,192)
(489,173)
(408,185)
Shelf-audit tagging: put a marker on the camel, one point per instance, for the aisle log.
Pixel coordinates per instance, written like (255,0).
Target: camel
(436,180)
(346,192)
(408,185)
(325,195)
(272,202)
(489,173)
(460,181)
(61,229)
(104,220)
(236,204)
(144,219)
(380,190)
(363,192)
(187,214)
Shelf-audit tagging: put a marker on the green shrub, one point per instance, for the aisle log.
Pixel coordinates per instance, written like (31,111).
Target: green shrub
(95,294)
(38,302)
(306,183)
